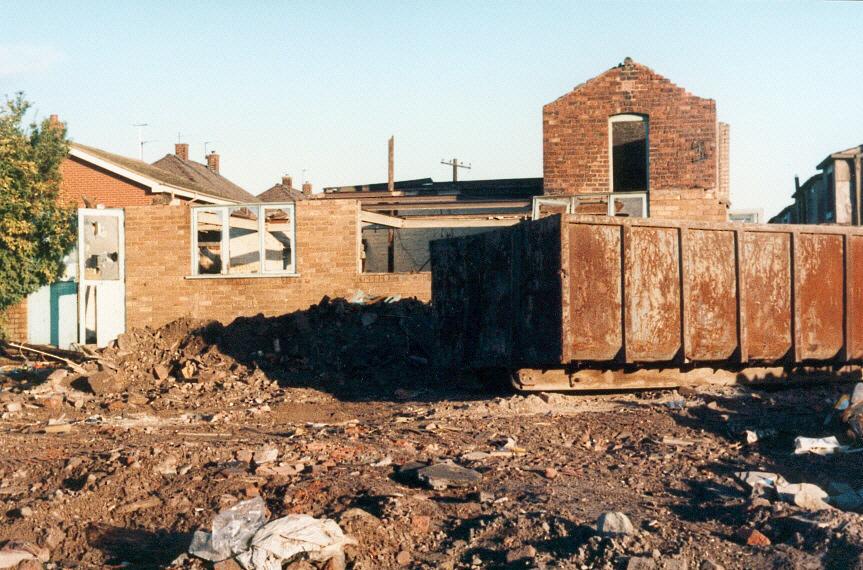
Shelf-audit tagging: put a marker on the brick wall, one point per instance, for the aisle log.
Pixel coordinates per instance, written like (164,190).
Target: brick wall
(682,133)
(158,251)
(99,186)
(723,159)
(14,322)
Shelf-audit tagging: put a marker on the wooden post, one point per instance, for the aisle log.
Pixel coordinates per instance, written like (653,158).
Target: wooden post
(391,184)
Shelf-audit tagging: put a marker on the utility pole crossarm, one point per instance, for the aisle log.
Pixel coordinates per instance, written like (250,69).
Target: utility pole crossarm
(455,166)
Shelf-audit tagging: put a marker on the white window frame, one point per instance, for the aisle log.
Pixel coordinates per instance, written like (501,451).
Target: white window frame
(571,202)
(223,212)
(627,118)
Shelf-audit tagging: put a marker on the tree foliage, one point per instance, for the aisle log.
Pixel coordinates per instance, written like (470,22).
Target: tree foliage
(36,229)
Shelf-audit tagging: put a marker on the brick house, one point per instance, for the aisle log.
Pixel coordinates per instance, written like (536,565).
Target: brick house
(633,134)
(175,238)
(94,178)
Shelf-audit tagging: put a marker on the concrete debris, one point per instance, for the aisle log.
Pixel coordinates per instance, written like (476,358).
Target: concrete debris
(805,495)
(440,476)
(614,524)
(106,382)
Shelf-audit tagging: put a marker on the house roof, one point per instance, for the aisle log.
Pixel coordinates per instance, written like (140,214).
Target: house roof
(155,178)
(200,175)
(842,154)
(281,193)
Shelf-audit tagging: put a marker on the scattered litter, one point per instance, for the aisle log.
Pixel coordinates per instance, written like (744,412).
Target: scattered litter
(818,446)
(754,436)
(232,529)
(284,539)
(14,552)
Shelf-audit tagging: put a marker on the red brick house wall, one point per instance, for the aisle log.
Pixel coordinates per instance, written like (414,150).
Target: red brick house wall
(158,265)
(80,180)
(682,138)
(99,186)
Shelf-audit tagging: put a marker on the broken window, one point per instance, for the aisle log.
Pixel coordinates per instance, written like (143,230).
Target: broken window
(244,245)
(208,225)
(278,240)
(629,153)
(244,240)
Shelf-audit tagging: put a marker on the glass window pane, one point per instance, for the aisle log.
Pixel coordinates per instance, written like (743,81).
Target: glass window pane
(209,223)
(278,240)
(629,206)
(101,248)
(244,245)
(591,205)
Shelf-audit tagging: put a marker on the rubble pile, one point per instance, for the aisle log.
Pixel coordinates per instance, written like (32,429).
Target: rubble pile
(332,341)
(320,440)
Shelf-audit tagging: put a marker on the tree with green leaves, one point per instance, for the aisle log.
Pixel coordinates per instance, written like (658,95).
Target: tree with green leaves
(36,229)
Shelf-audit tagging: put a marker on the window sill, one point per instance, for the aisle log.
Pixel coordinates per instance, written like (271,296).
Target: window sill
(244,276)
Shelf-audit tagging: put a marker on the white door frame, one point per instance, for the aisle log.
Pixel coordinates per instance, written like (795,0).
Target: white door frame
(110,322)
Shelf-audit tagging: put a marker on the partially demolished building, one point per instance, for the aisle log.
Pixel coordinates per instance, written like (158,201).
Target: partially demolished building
(175,238)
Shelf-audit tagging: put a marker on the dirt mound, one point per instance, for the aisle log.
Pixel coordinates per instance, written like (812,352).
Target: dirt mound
(371,342)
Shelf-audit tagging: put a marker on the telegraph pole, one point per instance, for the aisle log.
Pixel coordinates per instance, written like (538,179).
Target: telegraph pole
(455,166)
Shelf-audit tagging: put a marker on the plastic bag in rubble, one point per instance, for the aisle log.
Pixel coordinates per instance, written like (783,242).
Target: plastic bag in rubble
(286,538)
(233,528)
(817,445)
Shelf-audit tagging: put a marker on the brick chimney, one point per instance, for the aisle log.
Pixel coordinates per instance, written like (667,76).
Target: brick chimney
(307,188)
(53,120)
(181,150)
(287,181)
(213,162)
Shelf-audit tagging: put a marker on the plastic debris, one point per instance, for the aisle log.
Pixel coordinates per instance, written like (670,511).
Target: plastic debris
(756,479)
(817,445)
(286,538)
(232,528)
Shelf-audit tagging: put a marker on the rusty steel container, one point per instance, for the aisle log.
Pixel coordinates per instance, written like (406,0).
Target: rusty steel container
(640,302)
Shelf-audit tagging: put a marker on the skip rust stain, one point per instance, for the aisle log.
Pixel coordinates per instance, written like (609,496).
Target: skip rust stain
(651,294)
(766,267)
(819,296)
(711,302)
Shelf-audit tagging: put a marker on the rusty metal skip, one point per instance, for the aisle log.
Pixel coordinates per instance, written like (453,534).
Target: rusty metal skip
(574,302)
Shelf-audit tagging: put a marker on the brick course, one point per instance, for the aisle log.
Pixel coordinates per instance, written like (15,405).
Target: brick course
(682,137)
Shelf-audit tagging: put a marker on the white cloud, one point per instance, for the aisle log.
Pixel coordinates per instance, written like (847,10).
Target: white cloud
(26,58)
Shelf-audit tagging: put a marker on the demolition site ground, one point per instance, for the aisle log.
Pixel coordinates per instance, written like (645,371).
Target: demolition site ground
(116,460)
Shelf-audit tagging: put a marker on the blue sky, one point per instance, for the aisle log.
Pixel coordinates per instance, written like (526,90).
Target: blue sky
(282,87)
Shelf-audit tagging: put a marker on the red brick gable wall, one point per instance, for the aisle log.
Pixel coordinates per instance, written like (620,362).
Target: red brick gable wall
(81,179)
(682,141)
